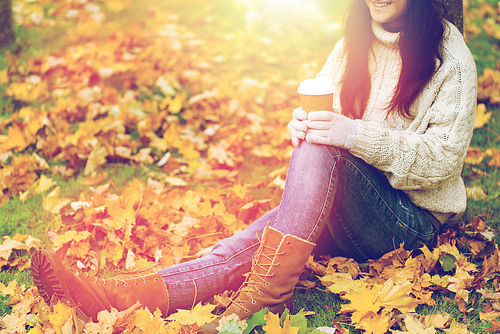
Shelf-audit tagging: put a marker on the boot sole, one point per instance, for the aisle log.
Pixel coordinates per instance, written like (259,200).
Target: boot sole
(45,278)
(44,264)
(49,278)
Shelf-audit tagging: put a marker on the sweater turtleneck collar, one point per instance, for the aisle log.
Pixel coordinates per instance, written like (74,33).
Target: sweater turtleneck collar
(391,39)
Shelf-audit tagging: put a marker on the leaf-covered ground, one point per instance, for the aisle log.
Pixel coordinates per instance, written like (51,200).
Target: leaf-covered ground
(141,133)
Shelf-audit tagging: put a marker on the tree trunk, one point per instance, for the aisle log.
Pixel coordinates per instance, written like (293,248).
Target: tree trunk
(6,29)
(455,13)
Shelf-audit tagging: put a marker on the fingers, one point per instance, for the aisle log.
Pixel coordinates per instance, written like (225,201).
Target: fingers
(296,125)
(318,133)
(298,134)
(315,139)
(322,115)
(295,141)
(300,114)
(318,125)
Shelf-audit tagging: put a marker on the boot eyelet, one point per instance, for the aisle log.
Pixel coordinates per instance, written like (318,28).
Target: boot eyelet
(136,283)
(247,310)
(104,284)
(283,253)
(145,281)
(125,284)
(260,293)
(288,242)
(267,283)
(156,279)
(274,274)
(254,302)
(278,264)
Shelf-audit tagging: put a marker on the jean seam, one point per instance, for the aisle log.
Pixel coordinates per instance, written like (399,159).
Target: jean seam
(387,206)
(328,195)
(213,264)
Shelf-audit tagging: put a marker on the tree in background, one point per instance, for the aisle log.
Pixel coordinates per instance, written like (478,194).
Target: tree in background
(6,30)
(455,13)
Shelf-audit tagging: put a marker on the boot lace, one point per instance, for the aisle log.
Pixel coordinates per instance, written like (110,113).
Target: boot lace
(250,286)
(124,277)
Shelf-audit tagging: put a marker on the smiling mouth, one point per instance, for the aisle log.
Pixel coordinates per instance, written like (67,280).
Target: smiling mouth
(381,4)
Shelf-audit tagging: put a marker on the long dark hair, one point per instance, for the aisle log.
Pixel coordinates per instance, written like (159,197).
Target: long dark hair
(419,46)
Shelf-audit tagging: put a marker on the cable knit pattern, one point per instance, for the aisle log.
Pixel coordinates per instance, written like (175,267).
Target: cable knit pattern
(423,156)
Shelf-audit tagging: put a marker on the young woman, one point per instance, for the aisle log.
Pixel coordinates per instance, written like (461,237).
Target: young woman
(381,170)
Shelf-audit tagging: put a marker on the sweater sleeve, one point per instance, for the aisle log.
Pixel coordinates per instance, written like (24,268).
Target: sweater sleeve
(433,148)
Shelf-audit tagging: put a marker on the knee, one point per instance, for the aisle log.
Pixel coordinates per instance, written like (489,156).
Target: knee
(308,149)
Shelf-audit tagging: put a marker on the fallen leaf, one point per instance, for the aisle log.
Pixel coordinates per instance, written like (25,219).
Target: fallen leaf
(273,325)
(200,315)
(482,117)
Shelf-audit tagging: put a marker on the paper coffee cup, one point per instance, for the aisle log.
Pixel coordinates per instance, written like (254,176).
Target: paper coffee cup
(316,94)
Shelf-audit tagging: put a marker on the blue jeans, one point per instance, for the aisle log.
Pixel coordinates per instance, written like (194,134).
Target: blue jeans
(325,187)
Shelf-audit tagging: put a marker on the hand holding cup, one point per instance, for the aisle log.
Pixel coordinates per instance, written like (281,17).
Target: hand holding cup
(316,94)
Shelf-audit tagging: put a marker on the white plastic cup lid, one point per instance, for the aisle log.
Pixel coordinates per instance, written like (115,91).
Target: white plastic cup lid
(316,86)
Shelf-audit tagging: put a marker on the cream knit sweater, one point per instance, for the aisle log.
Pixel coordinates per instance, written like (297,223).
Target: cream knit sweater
(423,156)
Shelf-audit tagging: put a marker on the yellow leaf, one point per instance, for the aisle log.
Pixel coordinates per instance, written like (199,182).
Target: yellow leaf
(35,330)
(4,77)
(150,323)
(15,139)
(341,283)
(397,296)
(221,156)
(362,302)
(482,117)
(457,328)
(273,325)
(441,281)
(96,158)
(23,196)
(494,153)
(187,223)
(374,323)
(476,193)
(44,184)
(79,249)
(144,156)
(474,156)
(70,236)
(13,323)
(279,182)
(265,151)
(11,289)
(176,103)
(438,320)
(414,326)
(175,181)
(343,265)
(52,203)
(105,323)
(240,190)
(61,316)
(200,314)
(32,242)
(459,283)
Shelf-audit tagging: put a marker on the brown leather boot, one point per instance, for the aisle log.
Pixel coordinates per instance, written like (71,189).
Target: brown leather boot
(90,294)
(276,269)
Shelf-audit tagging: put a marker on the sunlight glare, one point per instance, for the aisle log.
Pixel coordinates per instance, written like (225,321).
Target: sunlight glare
(284,2)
